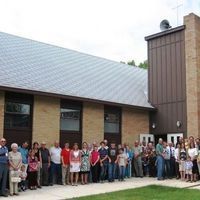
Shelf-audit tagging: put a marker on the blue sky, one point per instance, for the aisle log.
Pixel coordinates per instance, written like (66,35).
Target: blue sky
(114,29)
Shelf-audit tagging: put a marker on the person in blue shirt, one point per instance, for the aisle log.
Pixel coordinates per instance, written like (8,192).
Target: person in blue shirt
(24,152)
(3,167)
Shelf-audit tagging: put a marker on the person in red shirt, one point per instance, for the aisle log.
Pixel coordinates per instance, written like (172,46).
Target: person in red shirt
(65,153)
(94,161)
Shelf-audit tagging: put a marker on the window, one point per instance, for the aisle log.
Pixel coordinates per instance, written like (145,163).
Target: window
(112,121)
(70,119)
(17,115)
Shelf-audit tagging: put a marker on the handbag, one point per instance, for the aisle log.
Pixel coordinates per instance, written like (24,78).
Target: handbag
(15,176)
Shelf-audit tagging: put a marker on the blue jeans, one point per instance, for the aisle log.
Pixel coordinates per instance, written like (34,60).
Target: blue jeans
(111,171)
(160,167)
(167,169)
(121,172)
(56,173)
(128,172)
(104,168)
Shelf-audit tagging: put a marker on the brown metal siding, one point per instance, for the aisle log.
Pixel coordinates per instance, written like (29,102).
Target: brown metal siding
(167,90)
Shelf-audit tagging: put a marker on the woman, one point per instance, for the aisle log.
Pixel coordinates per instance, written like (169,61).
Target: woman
(193,153)
(15,162)
(32,170)
(75,162)
(177,155)
(85,163)
(39,159)
(182,159)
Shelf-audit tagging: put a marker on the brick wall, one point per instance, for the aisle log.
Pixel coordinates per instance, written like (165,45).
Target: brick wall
(192,56)
(1,113)
(134,123)
(46,119)
(93,122)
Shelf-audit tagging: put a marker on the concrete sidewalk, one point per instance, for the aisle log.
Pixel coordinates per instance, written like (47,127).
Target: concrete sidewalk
(65,192)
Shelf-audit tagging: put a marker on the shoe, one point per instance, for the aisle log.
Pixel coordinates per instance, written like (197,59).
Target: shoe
(39,187)
(16,194)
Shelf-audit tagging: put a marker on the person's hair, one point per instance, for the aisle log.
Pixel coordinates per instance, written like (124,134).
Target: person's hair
(84,143)
(35,143)
(14,145)
(25,142)
(23,166)
(192,145)
(182,145)
(121,149)
(102,142)
(75,144)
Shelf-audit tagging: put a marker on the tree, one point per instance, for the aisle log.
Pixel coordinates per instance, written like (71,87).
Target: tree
(132,63)
(143,65)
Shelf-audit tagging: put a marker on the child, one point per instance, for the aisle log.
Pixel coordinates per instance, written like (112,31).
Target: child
(32,170)
(94,161)
(188,169)
(23,175)
(122,162)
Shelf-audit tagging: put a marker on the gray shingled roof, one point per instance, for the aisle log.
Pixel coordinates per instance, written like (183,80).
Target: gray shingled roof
(30,65)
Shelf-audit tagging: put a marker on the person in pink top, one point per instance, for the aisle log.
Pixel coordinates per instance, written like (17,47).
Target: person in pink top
(94,161)
(75,163)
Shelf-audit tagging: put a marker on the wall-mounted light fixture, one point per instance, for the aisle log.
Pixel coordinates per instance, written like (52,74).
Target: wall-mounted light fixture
(153,125)
(178,124)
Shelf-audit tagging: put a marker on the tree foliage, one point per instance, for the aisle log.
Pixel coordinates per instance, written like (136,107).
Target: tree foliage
(143,64)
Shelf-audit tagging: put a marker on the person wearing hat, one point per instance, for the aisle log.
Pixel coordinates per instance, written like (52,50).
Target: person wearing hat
(44,175)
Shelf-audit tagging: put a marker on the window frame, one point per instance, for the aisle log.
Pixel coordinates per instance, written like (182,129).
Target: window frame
(19,98)
(65,104)
(113,110)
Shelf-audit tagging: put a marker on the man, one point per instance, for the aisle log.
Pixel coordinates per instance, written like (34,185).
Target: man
(55,153)
(45,159)
(65,164)
(160,159)
(172,159)
(152,159)
(103,152)
(24,152)
(166,156)
(112,157)
(137,151)
(3,167)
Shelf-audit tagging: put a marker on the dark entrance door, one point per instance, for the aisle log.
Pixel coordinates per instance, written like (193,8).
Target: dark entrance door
(18,118)
(70,123)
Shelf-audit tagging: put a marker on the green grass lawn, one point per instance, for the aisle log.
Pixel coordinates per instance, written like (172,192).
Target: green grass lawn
(151,192)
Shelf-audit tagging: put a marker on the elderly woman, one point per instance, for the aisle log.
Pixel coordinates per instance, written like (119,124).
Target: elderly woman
(15,162)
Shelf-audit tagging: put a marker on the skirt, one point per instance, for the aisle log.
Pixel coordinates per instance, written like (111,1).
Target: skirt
(74,167)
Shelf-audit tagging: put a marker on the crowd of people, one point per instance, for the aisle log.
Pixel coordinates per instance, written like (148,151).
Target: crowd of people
(32,168)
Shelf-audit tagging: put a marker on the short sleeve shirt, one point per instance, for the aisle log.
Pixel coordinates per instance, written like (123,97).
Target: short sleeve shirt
(103,153)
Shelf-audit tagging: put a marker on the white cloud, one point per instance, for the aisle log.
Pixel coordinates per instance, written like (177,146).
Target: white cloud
(113,29)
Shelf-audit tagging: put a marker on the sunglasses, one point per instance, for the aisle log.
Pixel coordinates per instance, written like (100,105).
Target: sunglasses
(3,141)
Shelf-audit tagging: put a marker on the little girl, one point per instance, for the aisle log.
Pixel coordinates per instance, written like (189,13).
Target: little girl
(32,170)
(23,175)
(188,169)
(122,162)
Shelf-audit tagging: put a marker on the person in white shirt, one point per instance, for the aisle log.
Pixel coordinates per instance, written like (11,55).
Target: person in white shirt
(193,153)
(177,155)
(55,171)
